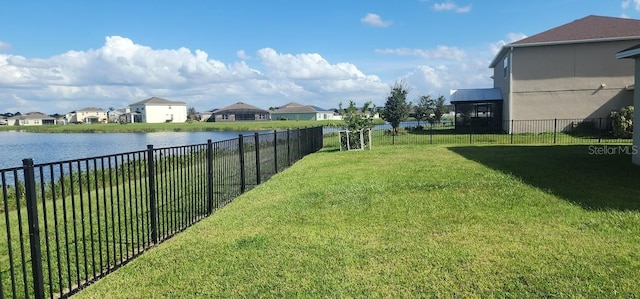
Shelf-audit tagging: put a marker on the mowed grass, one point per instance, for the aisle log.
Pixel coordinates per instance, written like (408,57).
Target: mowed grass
(411,221)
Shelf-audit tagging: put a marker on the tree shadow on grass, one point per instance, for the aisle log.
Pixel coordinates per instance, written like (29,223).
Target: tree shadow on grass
(596,177)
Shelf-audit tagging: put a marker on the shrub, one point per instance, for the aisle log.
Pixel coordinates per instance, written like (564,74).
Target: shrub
(622,122)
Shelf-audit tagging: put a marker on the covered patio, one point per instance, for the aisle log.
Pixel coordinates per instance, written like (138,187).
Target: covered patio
(478,110)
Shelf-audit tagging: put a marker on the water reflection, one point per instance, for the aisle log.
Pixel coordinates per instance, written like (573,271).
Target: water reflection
(48,147)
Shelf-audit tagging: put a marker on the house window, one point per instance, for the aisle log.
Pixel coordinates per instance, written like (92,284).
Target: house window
(505,62)
(169,106)
(225,116)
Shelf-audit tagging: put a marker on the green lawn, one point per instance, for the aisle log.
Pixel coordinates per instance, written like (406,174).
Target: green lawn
(411,221)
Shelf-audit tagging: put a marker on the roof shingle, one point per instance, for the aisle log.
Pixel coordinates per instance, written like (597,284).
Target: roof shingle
(588,28)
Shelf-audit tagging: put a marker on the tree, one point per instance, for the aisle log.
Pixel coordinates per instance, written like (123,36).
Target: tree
(356,120)
(431,109)
(439,109)
(423,110)
(192,114)
(396,109)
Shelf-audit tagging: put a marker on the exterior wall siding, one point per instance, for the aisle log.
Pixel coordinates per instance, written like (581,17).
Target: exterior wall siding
(569,81)
(161,113)
(502,80)
(293,116)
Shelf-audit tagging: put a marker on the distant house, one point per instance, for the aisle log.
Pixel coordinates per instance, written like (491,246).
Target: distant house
(240,112)
(295,111)
(116,115)
(207,115)
(31,119)
(567,72)
(157,110)
(89,115)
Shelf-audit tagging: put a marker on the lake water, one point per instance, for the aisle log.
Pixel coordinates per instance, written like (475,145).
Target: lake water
(52,147)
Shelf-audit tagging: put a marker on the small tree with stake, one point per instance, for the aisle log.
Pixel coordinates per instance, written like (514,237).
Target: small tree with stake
(396,109)
(355,123)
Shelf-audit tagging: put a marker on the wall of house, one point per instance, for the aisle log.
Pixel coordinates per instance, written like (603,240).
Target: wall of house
(569,81)
(293,116)
(81,116)
(162,113)
(502,80)
(220,117)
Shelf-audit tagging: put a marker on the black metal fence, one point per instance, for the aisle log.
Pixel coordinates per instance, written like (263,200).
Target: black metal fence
(67,224)
(549,131)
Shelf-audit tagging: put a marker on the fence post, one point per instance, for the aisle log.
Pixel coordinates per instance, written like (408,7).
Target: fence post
(241,154)
(153,213)
(600,130)
(299,145)
(430,133)
(209,176)
(555,129)
(34,228)
(257,142)
(288,147)
(275,149)
(511,129)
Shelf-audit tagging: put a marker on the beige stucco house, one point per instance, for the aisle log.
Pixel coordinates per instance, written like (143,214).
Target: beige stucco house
(239,112)
(569,72)
(88,115)
(157,110)
(31,119)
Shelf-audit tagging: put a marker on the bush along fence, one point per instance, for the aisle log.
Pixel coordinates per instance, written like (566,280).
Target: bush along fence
(549,131)
(67,224)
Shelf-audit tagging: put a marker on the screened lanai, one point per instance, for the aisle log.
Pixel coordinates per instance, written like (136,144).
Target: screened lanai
(477,109)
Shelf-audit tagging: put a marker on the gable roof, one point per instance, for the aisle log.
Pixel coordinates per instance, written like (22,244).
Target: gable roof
(588,29)
(32,115)
(88,109)
(240,107)
(157,101)
(294,109)
(298,108)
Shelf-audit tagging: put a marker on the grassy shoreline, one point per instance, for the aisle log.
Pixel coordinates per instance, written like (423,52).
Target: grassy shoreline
(173,127)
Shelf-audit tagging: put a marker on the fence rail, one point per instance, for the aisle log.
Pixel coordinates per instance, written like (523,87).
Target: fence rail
(67,224)
(550,131)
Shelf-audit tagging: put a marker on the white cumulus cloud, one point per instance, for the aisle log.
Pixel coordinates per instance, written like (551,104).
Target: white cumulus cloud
(510,38)
(375,20)
(627,3)
(4,46)
(440,52)
(451,6)
(121,72)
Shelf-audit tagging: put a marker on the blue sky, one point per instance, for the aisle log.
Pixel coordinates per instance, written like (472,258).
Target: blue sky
(58,56)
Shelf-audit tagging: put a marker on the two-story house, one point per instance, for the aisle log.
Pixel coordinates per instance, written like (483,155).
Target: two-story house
(567,72)
(158,110)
